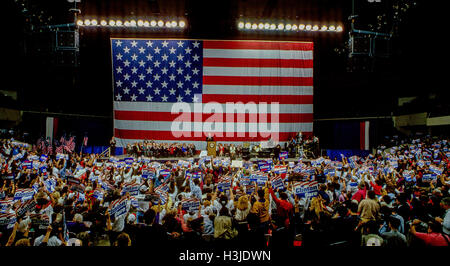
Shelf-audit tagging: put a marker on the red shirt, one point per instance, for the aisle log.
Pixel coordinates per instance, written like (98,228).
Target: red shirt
(376,188)
(359,195)
(432,239)
(284,207)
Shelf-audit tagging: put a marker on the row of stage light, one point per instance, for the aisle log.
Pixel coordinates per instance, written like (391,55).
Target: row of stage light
(287,27)
(132,23)
(181,24)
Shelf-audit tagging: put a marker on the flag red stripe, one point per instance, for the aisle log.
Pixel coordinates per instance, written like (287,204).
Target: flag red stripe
(258,45)
(168,135)
(165,116)
(258,81)
(283,99)
(252,62)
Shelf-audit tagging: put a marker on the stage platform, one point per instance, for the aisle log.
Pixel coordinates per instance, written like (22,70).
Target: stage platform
(196,158)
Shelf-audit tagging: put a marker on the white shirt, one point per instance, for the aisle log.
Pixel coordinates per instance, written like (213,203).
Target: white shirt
(53,241)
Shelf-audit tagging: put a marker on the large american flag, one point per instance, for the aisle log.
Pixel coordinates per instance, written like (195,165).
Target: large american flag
(151,75)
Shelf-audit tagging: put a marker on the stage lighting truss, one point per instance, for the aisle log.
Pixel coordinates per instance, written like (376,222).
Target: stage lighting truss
(287,26)
(137,23)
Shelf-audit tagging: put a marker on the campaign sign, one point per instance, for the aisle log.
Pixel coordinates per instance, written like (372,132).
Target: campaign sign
(308,189)
(190,205)
(429,177)
(41,221)
(149,173)
(163,196)
(24,194)
(163,188)
(107,186)
(27,164)
(50,185)
(258,177)
(71,180)
(224,184)
(98,194)
(183,163)
(277,183)
(128,160)
(264,166)
(133,189)
(118,207)
(43,158)
(27,206)
(329,171)
(5,204)
(244,181)
(283,155)
(165,173)
(280,169)
(436,170)
(237,163)
(249,189)
(7,220)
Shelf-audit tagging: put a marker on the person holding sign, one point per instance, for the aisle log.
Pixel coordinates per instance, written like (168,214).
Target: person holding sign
(284,207)
(261,207)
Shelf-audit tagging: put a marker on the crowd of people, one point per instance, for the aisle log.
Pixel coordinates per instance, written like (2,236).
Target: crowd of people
(398,196)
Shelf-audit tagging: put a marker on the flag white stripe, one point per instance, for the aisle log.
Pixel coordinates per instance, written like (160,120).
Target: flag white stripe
(226,126)
(257,90)
(167,107)
(257,54)
(257,72)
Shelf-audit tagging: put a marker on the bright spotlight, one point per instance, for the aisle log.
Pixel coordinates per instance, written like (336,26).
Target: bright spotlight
(87,22)
(308,27)
(288,26)
(339,28)
(260,26)
(80,22)
(315,28)
(280,26)
(294,27)
(181,24)
(332,28)
(94,22)
(153,23)
(112,23)
(160,23)
(241,25)
(168,24)
(301,26)
(133,23)
(146,23)
(273,26)
(119,23)
(248,25)
(174,23)
(140,23)
(103,22)
(324,28)
(266,26)
(254,26)
(126,23)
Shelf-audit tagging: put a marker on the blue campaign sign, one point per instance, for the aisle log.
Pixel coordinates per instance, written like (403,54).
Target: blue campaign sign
(307,189)
(283,155)
(129,160)
(429,177)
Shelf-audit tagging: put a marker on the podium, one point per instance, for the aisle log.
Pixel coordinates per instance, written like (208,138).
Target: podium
(211,148)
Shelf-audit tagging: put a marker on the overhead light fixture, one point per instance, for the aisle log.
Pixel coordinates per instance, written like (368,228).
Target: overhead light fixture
(288,26)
